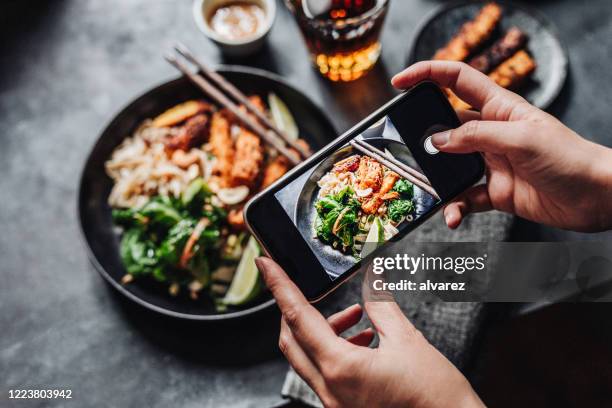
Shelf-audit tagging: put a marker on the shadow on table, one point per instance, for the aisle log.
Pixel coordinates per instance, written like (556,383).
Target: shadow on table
(239,342)
(24,24)
(244,341)
(355,99)
(560,104)
(352,101)
(264,59)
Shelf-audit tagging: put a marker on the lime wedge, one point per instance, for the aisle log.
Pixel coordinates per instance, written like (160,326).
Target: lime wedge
(375,238)
(246,285)
(282,117)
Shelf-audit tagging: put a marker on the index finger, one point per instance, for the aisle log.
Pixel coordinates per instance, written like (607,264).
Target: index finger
(309,327)
(470,85)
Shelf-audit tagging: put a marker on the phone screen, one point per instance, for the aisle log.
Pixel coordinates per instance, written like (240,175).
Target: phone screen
(349,199)
(344,204)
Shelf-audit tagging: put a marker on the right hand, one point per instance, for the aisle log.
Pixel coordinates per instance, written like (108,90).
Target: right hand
(537,168)
(405,370)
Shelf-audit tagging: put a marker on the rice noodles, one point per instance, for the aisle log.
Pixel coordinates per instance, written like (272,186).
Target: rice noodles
(141,168)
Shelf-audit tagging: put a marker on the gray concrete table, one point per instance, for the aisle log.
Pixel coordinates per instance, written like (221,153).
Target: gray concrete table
(66,68)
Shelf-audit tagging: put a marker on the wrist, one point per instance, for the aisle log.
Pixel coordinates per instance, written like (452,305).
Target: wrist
(601,173)
(460,395)
(470,400)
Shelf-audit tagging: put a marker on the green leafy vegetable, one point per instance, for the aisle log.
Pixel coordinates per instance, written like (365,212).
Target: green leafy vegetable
(349,218)
(161,213)
(344,195)
(171,248)
(399,208)
(326,204)
(346,237)
(137,253)
(123,217)
(337,218)
(209,237)
(195,194)
(326,224)
(127,217)
(155,237)
(404,187)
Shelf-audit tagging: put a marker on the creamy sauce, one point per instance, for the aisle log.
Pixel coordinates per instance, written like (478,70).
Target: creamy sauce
(238,20)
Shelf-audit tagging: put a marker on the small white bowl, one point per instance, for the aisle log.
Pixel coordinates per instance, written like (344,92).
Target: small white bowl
(236,48)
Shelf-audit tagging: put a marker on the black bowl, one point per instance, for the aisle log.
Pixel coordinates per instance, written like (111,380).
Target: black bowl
(543,44)
(102,238)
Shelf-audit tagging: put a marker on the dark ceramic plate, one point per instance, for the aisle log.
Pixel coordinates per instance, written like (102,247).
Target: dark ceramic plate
(543,45)
(305,214)
(102,238)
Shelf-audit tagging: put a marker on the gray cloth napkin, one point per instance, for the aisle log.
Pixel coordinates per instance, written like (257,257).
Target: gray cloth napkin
(449,326)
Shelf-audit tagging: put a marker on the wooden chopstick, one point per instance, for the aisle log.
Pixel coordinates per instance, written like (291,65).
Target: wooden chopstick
(238,96)
(394,165)
(224,101)
(407,168)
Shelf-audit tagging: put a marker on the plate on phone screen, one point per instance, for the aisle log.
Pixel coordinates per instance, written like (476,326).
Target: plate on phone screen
(333,260)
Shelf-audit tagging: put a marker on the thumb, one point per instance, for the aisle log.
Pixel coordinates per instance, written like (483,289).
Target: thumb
(480,136)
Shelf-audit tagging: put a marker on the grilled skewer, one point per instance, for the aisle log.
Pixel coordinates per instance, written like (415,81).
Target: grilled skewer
(514,71)
(472,34)
(503,49)
(510,74)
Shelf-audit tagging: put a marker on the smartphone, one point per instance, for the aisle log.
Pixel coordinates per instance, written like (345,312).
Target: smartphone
(315,222)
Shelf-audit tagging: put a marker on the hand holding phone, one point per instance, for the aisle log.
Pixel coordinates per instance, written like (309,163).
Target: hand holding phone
(319,221)
(344,371)
(537,168)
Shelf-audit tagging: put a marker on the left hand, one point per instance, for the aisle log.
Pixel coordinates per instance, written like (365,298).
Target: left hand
(405,370)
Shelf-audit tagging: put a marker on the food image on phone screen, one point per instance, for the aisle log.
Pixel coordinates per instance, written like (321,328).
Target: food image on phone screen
(333,211)
(349,198)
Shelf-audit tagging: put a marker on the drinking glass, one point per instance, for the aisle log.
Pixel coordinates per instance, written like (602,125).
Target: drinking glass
(342,35)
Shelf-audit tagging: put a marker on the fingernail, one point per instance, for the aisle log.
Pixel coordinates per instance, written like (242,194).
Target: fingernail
(440,139)
(395,80)
(261,265)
